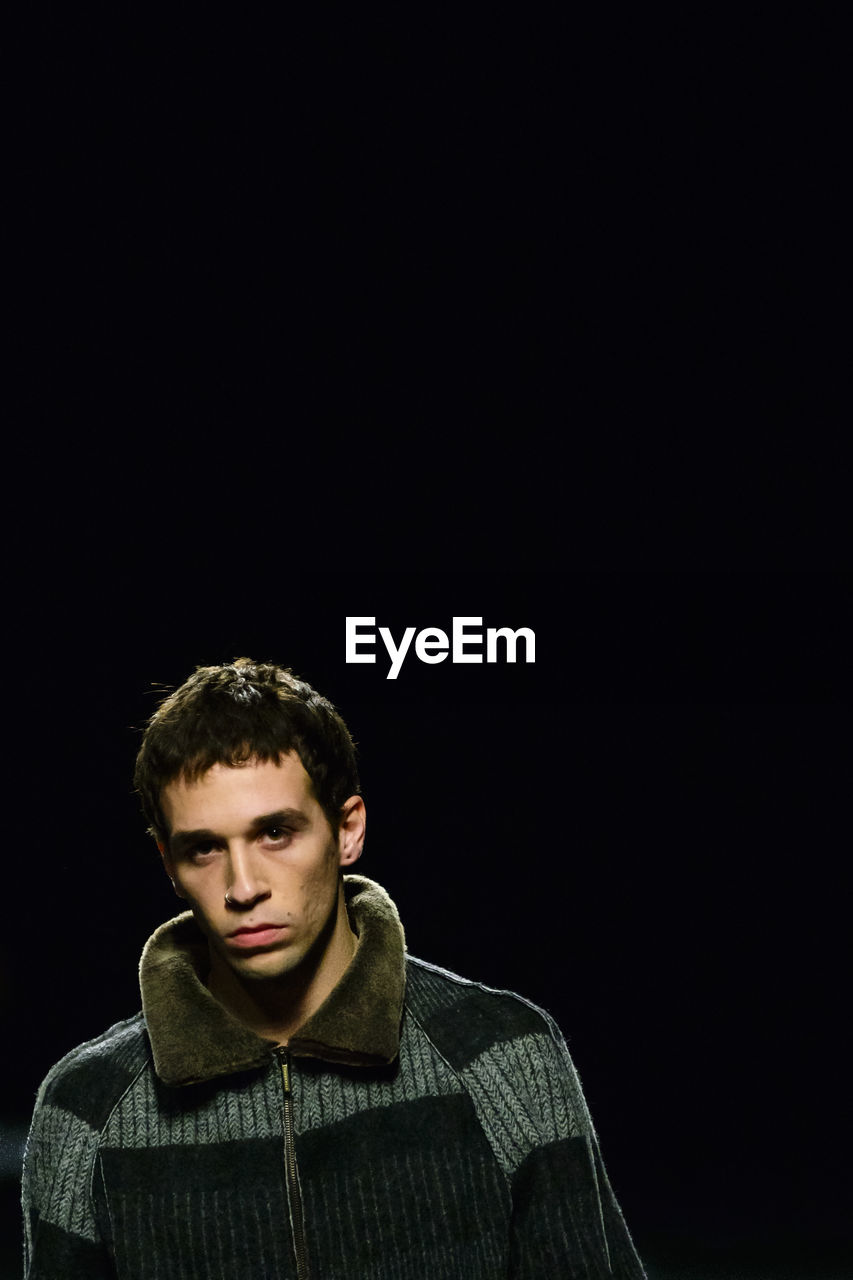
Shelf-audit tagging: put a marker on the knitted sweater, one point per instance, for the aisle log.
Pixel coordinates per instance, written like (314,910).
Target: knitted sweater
(417,1127)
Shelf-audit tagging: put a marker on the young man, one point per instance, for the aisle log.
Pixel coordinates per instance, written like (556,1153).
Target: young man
(298,1096)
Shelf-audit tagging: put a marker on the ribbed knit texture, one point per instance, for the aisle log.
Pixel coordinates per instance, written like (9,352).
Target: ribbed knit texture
(470,1157)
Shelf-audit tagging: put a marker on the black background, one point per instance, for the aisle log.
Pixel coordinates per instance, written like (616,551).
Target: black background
(535,323)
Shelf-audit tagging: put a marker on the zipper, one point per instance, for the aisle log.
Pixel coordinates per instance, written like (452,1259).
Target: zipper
(294,1191)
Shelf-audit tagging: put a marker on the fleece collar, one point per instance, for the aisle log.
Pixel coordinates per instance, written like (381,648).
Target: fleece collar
(194,1038)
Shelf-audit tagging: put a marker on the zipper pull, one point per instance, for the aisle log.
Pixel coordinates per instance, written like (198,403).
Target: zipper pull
(283,1055)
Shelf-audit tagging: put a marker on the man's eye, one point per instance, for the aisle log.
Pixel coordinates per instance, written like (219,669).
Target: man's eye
(202,850)
(276,833)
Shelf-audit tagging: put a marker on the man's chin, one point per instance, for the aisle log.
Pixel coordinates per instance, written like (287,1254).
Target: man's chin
(265,968)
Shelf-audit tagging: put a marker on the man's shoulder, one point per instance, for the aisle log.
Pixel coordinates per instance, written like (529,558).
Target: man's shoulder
(466,1019)
(509,1055)
(88,1079)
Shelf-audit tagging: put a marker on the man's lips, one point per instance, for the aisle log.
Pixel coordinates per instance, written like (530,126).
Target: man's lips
(254,928)
(256,935)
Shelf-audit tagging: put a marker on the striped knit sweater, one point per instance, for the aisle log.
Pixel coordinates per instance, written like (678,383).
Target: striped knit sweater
(418,1127)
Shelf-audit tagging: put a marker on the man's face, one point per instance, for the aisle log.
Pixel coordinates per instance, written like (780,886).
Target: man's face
(253,854)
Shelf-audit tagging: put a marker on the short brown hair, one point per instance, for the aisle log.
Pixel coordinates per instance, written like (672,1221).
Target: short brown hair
(238,712)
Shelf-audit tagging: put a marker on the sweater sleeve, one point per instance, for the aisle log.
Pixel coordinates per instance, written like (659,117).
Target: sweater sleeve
(565,1219)
(62,1240)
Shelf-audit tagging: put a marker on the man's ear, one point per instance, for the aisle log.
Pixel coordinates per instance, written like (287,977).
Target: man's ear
(351,831)
(169,869)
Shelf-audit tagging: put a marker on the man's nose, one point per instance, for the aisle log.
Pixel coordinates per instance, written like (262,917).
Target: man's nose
(246,883)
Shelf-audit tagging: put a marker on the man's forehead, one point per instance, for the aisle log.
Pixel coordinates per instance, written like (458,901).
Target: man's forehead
(243,785)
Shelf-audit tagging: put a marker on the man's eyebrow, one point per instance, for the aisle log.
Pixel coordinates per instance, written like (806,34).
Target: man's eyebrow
(180,840)
(293,818)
